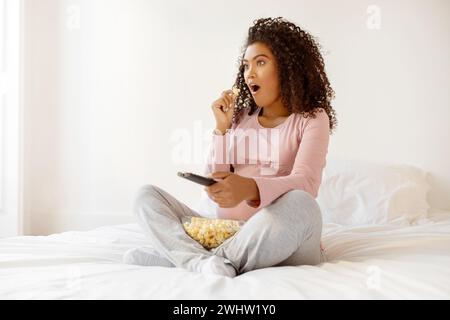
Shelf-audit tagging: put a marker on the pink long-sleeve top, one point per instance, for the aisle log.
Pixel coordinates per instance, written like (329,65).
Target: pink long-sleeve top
(289,156)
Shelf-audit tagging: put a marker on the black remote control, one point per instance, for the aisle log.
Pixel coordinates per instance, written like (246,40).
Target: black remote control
(196,178)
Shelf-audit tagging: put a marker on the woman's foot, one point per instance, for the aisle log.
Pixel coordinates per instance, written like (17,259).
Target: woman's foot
(218,266)
(146,256)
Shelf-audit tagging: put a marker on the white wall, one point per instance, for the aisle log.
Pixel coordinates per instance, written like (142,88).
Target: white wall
(110,84)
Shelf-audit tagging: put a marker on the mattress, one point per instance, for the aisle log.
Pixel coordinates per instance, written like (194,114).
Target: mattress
(364,262)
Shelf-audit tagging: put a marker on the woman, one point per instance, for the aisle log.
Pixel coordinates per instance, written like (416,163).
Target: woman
(284,100)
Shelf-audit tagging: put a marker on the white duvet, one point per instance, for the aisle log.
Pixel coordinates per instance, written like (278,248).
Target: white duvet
(372,262)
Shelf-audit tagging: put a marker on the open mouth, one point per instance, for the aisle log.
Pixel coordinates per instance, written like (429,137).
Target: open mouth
(254,88)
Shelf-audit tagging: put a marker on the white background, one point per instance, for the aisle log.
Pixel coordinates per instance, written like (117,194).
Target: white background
(109,82)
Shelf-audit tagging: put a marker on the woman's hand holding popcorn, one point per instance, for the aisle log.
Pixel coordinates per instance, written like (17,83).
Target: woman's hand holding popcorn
(223,109)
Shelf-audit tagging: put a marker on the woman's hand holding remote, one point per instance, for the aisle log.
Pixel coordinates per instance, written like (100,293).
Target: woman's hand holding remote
(232,189)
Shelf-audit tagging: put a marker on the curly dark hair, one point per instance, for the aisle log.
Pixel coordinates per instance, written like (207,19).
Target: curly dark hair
(301,71)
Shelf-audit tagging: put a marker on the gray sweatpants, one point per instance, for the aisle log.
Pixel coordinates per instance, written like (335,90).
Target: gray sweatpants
(285,233)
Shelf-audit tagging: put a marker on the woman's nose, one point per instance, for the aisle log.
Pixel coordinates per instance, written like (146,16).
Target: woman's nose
(250,75)
(251,72)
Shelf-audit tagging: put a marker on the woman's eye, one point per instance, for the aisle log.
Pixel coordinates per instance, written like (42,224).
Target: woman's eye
(246,65)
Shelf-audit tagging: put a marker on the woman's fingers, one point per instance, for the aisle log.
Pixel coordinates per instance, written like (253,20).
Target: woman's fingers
(226,102)
(217,197)
(220,104)
(227,95)
(221,107)
(218,200)
(216,187)
(230,110)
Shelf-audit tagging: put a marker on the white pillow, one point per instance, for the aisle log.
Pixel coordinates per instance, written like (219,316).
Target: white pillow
(355,192)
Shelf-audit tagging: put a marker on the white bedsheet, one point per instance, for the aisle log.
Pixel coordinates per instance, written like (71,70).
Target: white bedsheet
(372,262)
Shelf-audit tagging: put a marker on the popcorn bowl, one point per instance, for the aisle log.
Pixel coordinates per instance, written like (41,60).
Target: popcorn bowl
(211,233)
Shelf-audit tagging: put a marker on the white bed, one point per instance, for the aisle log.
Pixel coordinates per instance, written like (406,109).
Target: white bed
(380,240)
(372,262)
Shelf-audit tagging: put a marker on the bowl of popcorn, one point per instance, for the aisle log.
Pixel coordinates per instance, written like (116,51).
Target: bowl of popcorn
(211,233)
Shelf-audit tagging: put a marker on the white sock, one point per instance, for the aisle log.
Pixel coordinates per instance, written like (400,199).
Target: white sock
(217,265)
(146,256)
